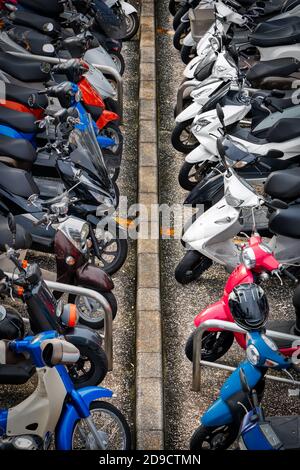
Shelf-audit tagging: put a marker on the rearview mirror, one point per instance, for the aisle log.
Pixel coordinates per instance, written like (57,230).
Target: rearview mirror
(244,382)
(221,148)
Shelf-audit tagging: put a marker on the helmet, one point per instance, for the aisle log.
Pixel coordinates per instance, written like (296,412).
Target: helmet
(11,324)
(249,306)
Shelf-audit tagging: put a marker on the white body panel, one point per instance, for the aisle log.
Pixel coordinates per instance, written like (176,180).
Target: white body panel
(200,154)
(279,52)
(128,8)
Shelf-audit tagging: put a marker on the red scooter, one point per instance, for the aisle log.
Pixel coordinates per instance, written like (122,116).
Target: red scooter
(257,263)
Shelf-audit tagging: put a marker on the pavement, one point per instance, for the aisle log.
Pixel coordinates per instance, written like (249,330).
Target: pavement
(180,304)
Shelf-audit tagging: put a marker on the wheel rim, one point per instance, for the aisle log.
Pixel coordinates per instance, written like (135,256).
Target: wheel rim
(89,309)
(83,370)
(216,439)
(108,425)
(187,138)
(113,134)
(117,62)
(109,252)
(130,24)
(195,174)
(212,341)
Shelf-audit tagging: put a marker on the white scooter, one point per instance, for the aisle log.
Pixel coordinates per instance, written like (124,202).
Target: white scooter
(210,238)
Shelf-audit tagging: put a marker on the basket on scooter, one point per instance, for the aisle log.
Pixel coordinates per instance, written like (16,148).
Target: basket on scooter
(200,20)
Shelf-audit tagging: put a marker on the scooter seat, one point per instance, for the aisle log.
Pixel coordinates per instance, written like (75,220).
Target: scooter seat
(20,94)
(280,32)
(287,428)
(35,21)
(17,181)
(273,68)
(284,185)
(17,149)
(23,239)
(22,122)
(32,40)
(24,70)
(286,222)
(52,8)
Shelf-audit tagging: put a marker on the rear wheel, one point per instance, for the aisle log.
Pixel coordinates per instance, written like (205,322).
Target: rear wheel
(183,140)
(111,427)
(91,313)
(180,35)
(132,26)
(177,18)
(119,61)
(191,267)
(214,345)
(213,438)
(191,174)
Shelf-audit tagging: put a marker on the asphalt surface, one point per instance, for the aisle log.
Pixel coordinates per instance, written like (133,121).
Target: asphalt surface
(122,379)
(180,304)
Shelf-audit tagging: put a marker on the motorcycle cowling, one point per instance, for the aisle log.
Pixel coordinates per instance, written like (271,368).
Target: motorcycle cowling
(93,277)
(11,324)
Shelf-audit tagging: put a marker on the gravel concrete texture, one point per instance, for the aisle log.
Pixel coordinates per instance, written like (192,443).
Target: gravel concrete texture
(149,386)
(180,304)
(122,379)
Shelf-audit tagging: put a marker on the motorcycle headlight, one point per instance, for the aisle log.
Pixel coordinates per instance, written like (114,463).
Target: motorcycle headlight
(232,200)
(269,342)
(248,258)
(253,355)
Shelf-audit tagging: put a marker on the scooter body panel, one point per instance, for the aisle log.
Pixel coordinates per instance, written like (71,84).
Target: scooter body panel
(200,154)
(99,56)
(128,8)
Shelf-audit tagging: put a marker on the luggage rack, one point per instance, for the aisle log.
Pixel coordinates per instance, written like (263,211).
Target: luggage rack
(102,68)
(228,326)
(75,290)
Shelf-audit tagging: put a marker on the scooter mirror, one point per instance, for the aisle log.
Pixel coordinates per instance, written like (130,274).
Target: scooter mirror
(220,114)
(221,148)
(244,382)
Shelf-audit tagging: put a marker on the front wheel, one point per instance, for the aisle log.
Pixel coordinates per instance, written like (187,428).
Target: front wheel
(90,369)
(112,251)
(214,345)
(191,174)
(213,438)
(188,53)
(132,26)
(191,267)
(183,139)
(118,60)
(179,14)
(180,35)
(111,428)
(91,313)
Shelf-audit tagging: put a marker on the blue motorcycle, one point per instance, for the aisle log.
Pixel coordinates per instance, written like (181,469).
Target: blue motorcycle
(221,423)
(76,418)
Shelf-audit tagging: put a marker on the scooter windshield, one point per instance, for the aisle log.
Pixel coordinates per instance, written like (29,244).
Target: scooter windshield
(89,155)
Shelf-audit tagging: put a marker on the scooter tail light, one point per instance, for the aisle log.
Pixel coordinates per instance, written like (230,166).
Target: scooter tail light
(69,316)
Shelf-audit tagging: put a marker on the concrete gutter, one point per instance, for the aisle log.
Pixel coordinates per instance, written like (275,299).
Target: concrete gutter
(149,378)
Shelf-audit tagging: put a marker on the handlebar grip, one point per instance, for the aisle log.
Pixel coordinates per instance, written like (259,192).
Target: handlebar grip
(290,276)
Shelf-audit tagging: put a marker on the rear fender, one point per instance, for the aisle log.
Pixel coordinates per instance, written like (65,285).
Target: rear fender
(107,117)
(70,415)
(93,277)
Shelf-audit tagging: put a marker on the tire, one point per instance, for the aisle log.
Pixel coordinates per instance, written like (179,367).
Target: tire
(112,105)
(97,407)
(186,102)
(96,323)
(112,130)
(216,342)
(179,36)
(187,54)
(173,7)
(214,438)
(112,263)
(192,174)
(182,137)
(132,26)
(177,18)
(191,267)
(119,61)
(96,360)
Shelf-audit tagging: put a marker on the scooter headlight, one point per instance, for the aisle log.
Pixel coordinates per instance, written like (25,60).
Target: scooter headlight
(253,355)
(248,258)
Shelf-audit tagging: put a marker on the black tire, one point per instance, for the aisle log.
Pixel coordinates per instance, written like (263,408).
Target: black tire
(214,345)
(213,438)
(187,54)
(179,14)
(111,260)
(191,174)
(110,410)
(182,138)
(191,267)
(119,61)
(95,324)
(96,360)
(173,7)
(132,26)
(186,102)
(179,36)
(113,131)
(112,105)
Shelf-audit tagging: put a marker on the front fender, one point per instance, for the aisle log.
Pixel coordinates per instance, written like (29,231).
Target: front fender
(189,41)
(216,311)
(189,113)
(91,276)
(189,71)
(128,8)
(206,190)
(83,336)
(70,416)
(200,154)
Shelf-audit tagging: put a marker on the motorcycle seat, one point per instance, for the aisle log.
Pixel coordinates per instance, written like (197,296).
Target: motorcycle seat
(280,32)
(52,8)
(22,122)
(17,149)
(21,95)
(35,21)
(273,68)
(286,222)
(17,181)
(23,241)
(287,428)
(32,40)
(24,70)
(284,185)
(279,126)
